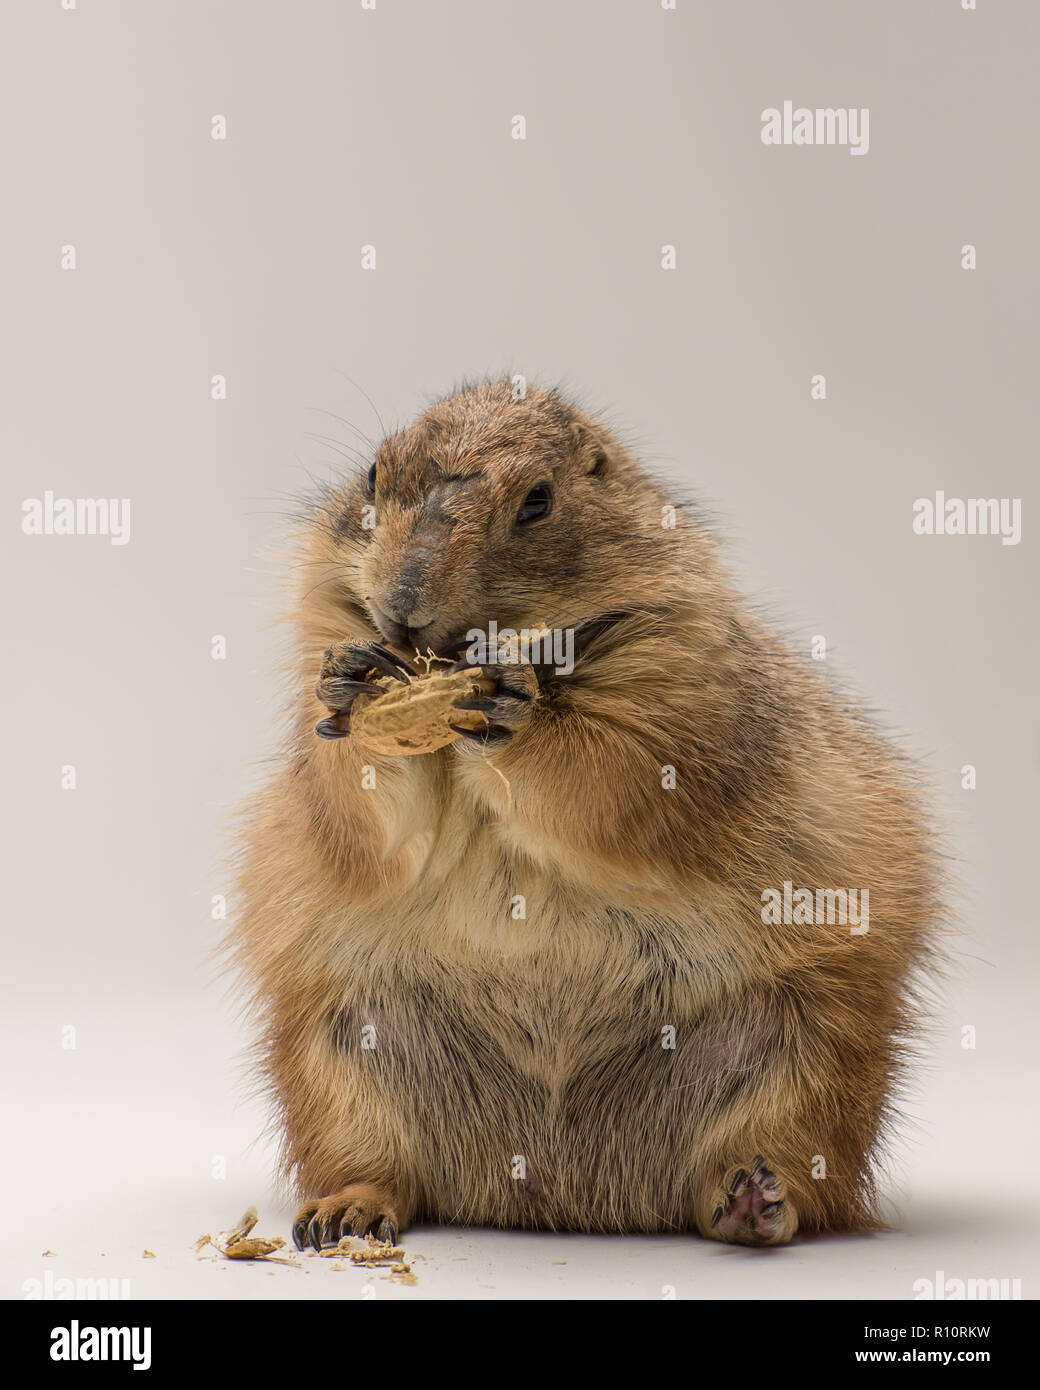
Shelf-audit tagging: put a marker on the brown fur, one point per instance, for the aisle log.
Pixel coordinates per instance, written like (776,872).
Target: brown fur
(541,1038)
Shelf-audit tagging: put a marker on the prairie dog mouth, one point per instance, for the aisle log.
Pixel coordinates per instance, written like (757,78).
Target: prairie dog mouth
(406,641)
(454,642)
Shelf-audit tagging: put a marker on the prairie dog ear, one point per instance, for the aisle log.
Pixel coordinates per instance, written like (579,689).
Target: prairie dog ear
(592,447)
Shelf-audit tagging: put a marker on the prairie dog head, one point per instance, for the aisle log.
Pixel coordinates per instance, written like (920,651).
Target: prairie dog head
(489,508)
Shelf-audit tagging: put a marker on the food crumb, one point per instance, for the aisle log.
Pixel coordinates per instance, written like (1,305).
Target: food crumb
(237,1244)
(252,1248)
(347,1245)
(147,1254)
(243,1226)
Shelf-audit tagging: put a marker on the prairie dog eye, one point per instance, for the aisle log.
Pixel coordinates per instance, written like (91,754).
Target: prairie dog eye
(536,504)
(372,481)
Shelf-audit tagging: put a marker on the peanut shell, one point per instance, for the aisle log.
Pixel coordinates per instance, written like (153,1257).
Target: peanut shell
(415,718)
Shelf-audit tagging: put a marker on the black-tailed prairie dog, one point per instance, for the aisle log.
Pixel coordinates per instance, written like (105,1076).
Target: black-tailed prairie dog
(634,946)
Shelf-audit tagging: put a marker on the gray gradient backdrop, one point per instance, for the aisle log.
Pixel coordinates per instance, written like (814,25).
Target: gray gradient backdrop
(242,257)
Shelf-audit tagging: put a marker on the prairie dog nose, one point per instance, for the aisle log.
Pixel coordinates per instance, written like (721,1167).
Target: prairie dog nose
(405,602)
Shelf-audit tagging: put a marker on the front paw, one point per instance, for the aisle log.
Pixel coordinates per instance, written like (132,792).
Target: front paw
(342,679)
(508,706)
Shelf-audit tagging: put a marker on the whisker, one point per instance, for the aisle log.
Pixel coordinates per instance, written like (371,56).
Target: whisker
(370,444)
(346,451)
(328,578)
(368,398)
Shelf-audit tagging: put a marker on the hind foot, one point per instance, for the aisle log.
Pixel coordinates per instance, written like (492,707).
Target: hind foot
(750,1208)
(361,1210)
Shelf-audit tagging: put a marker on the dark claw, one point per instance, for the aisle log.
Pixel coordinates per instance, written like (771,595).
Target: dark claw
(336,685)
(462,665)
(330,728)
(387,1231)
(477,735)
(758,1163)
(494,733)
(773,1209)
(314,1233)
(716,1218)
(739,1179)
(493,704)
(391,664)
(587,633)
(299,1234)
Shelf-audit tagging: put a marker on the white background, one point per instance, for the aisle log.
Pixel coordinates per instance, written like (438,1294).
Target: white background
(242,257)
